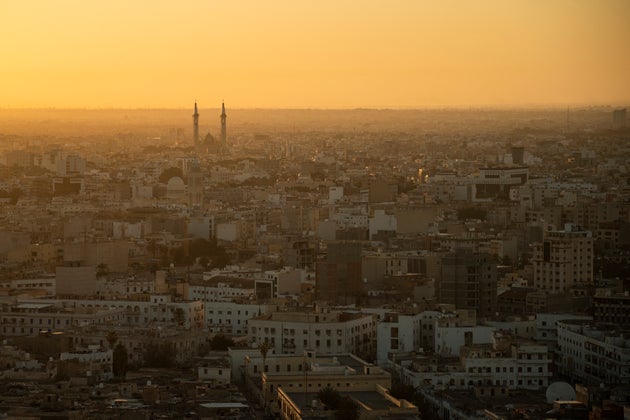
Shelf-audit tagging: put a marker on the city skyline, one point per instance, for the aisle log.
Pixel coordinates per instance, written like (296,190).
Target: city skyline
(329,55)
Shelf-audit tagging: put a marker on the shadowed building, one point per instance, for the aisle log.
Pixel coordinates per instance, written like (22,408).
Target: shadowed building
(469,281)
(339,275)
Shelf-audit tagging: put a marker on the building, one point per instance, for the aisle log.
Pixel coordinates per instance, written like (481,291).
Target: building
(495,183)
(29,318)
(563,260)
(612,308)
(223,125)
(594,353)
(374,404)
(469,281)
(457,330)
(507,363)
(308,373)
(196,127)
(397,333)
(338,277)
(232,317)
(215,370)
(619,118)
(504,364)
(324,331)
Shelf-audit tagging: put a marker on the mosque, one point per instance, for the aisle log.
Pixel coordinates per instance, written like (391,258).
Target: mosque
(210,144)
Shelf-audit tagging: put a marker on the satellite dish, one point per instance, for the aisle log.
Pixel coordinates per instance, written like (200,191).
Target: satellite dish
(560,391)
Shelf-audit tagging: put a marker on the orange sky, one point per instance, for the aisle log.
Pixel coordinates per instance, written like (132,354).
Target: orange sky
(315,53)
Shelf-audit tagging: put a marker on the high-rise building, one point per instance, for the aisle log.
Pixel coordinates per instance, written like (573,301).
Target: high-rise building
(339,276)
(195,185)
(196,127)
(223,125)
(468,280)
(563,260)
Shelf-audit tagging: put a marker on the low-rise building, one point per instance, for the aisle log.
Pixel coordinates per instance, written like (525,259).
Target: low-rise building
(594,352)
(324,331)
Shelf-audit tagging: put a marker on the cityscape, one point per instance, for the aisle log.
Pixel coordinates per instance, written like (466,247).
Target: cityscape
(231,258)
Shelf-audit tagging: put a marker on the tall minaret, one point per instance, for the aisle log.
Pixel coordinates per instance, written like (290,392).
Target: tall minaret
(196,127)
(223,125)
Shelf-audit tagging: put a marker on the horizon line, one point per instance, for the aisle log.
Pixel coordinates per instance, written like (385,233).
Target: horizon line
(549,106)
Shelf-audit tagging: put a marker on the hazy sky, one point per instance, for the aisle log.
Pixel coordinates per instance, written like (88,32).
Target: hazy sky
(315,53)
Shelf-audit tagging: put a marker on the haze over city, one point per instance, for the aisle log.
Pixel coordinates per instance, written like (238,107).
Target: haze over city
(325,54)
(261,210)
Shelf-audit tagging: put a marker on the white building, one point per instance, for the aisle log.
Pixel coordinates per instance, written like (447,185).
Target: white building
(381,221)
(59,314)
(453,332)
(326,332)
(215,370)
(220,291)
(403,333)
(594,353)
(232,317)
(547,327)
(30,317)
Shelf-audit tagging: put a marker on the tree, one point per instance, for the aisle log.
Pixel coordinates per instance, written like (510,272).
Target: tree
(112,339)
(264,348)
(467,213)
(329,396)
(403,391)
(345,408)
(221,342)
(120,360)
(200,248)
(159,355)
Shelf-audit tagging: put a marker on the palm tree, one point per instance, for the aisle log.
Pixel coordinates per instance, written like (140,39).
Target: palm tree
(264,348)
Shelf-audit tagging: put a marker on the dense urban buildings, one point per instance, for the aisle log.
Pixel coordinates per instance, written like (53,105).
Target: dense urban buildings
(439,263)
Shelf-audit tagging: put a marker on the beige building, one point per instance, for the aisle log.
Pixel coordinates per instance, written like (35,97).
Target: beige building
(324,331)
(563,260)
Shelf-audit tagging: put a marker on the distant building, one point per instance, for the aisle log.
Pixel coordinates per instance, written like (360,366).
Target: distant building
(619,118)
(517,155)
(495,183)
(223,125)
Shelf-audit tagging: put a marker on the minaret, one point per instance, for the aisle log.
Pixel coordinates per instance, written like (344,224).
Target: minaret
(223,125)
(196,127)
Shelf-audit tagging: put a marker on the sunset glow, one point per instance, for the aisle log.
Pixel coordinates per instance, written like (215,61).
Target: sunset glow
(323,54)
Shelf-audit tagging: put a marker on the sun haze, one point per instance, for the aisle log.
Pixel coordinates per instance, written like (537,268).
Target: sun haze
(321,54)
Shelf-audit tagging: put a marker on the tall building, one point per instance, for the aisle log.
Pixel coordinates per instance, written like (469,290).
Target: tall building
(195,185)
(563,260)
(339,276)
(196,127)
(469,281)
(223,125)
